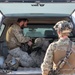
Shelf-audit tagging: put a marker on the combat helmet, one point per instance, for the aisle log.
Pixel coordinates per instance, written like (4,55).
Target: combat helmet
(42,43)
(38,42)
(63,26)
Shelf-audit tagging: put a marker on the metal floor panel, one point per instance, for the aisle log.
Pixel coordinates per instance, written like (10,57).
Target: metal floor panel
(27,71)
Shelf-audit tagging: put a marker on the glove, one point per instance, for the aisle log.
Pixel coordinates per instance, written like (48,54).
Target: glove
(30,43)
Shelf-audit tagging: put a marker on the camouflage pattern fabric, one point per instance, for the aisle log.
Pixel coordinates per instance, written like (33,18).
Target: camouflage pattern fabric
(14,37)
(24,59)
(38,57)
(60,46)
(41,42)
(63,26)
(39,54)
(45,45)
(11,63)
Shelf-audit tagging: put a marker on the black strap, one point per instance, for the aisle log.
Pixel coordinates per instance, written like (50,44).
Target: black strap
(62,62)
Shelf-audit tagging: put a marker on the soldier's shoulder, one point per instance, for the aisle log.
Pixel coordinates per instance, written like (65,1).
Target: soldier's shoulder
(15,26)
(53,45)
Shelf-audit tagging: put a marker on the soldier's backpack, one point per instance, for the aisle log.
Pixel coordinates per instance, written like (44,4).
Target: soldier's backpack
(12,64)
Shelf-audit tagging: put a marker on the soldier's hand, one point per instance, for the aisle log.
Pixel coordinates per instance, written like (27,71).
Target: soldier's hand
(45,72)
(30,43)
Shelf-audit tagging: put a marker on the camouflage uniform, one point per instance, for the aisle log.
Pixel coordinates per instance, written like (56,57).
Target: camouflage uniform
(14,38)
(57,50)
(39,55)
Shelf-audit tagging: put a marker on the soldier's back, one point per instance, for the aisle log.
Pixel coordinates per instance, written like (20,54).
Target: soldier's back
(61,47)
(10,37)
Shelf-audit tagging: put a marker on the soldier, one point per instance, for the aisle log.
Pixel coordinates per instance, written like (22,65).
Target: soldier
(57,50)
(40,47)
(14,38)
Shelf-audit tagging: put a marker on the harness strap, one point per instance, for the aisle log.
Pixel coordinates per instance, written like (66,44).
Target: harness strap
(62,62)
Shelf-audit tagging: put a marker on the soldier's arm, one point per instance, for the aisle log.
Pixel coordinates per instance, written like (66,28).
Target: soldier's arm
(19,35)
(48,61)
